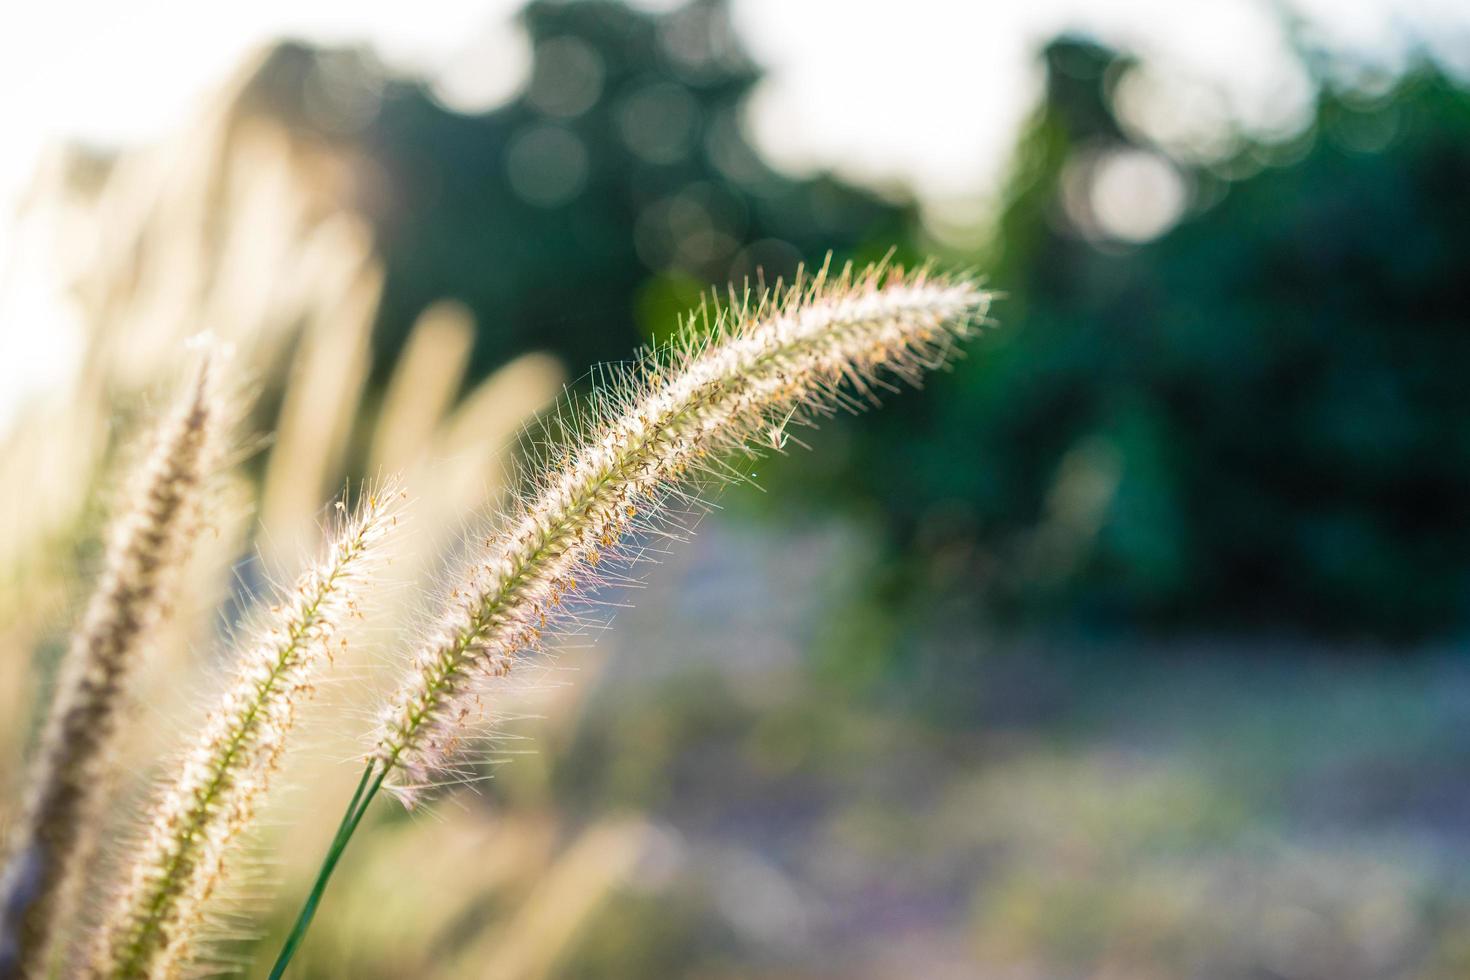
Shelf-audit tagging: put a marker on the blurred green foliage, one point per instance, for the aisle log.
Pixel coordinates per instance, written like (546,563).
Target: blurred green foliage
(1256,420)
(1259,419)
(592,209)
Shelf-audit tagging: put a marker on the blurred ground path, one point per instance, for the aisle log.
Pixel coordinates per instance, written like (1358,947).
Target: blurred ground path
(1192,808)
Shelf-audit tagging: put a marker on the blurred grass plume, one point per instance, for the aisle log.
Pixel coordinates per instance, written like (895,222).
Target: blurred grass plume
(158,517)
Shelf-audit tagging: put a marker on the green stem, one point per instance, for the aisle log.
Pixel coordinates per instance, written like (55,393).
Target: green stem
(356,808)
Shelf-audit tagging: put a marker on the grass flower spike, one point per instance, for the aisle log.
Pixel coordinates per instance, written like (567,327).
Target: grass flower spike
(147,543)
(149,929)
(655,436)
(765,364)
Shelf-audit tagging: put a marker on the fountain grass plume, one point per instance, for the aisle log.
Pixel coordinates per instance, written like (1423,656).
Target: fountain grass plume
(650,442)
(147,543)
(657,436)
(150,928)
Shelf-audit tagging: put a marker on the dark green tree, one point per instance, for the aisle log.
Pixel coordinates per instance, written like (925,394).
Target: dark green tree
(1258,419)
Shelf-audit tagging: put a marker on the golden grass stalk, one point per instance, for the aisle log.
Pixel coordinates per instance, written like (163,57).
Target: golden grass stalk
(424,385)
(770,362)
(150,927)
(148,541)
(546,924)
(315,426)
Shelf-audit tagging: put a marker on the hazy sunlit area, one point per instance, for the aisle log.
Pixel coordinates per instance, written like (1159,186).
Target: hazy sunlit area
(1131,645)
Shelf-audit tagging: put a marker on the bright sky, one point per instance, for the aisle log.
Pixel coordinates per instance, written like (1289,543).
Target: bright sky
(925,93)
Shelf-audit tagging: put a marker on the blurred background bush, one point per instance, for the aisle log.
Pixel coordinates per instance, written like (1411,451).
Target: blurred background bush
(1131,648)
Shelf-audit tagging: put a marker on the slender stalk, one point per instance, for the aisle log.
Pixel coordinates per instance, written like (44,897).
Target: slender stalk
(356,807)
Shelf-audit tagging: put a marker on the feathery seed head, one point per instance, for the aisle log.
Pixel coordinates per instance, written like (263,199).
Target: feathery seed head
(654,438)
(220,781)
(148,542)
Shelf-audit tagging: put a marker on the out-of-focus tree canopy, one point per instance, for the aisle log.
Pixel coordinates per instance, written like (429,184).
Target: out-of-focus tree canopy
(1258,419)
(592,209)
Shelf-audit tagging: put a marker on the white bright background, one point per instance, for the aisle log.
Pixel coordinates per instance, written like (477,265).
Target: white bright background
(923,94)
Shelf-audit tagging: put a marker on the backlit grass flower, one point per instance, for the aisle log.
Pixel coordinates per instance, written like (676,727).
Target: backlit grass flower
(149,928)
(147,545)
(660,433)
